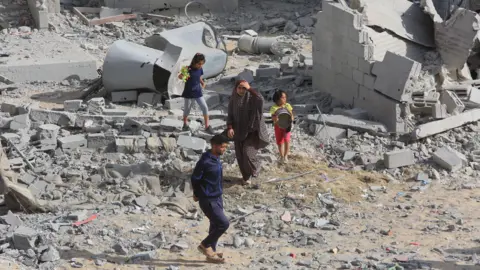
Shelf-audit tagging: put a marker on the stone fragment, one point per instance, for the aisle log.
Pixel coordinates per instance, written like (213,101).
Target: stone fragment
(290,27)
(130,144)
(120,249)
(72,105)
(153,144)
(96,105)
(99,140)
(169,124)
(73,142)
(25,238)
(20,122)
(11,219)
(197,144)
(50,255)
(48,132)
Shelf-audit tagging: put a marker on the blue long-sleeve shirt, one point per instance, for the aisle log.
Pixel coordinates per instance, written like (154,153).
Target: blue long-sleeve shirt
(207,177)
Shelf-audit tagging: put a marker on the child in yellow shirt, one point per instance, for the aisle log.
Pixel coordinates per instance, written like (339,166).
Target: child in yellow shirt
(282,135)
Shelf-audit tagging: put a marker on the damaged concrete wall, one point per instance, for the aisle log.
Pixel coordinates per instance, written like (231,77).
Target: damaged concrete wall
(361,66)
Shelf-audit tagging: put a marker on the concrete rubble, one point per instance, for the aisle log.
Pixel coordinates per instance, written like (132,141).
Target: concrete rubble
(94,162)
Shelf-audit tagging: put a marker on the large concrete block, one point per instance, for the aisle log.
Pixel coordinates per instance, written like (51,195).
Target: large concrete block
(394,75)
(400,158)
(447,159)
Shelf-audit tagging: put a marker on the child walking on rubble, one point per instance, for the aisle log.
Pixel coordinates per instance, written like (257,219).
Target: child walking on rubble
(193,91)
(282,134)
(207,185)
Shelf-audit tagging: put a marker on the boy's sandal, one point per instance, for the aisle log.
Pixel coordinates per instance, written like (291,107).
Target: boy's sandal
(247,182)
(215,259)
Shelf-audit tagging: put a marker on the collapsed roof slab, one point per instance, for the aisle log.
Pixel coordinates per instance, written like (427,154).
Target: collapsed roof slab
(45,57)
(402,17)
(384,42)
(456,37)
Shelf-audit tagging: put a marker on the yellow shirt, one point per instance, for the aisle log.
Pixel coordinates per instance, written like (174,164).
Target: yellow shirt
(275,107)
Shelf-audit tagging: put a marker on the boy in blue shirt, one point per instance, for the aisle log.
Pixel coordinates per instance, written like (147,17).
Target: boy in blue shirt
(193,91)
(207,185)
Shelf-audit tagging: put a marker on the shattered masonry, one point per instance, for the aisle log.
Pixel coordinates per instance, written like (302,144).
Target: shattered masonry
(373,57)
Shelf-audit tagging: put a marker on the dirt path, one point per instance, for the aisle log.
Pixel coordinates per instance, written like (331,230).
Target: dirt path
(413,228)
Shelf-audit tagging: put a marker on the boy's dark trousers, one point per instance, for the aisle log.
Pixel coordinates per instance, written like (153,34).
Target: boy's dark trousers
(213,209)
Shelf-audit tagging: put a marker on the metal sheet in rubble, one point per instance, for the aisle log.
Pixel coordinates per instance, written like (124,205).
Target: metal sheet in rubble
(132,66)
(191,39)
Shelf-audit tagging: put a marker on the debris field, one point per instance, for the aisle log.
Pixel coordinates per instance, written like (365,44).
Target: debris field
(95,166)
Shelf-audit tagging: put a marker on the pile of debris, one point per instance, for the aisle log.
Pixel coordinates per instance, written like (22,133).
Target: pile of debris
(396,57)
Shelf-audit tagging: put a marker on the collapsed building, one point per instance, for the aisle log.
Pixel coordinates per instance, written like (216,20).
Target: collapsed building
(397,60)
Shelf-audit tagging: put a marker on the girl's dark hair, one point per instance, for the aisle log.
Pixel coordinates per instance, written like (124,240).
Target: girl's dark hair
(278,95)
(197,59)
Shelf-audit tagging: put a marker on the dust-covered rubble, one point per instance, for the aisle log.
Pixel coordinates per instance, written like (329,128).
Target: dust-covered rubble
(105,176)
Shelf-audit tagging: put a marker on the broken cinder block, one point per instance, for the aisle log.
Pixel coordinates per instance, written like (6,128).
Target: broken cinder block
(454,104)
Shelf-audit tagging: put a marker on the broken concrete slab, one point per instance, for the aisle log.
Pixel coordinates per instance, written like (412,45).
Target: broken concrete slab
(435,127)
(347,122)
(53,117)
(402,17)
(64,60)
(456,37)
